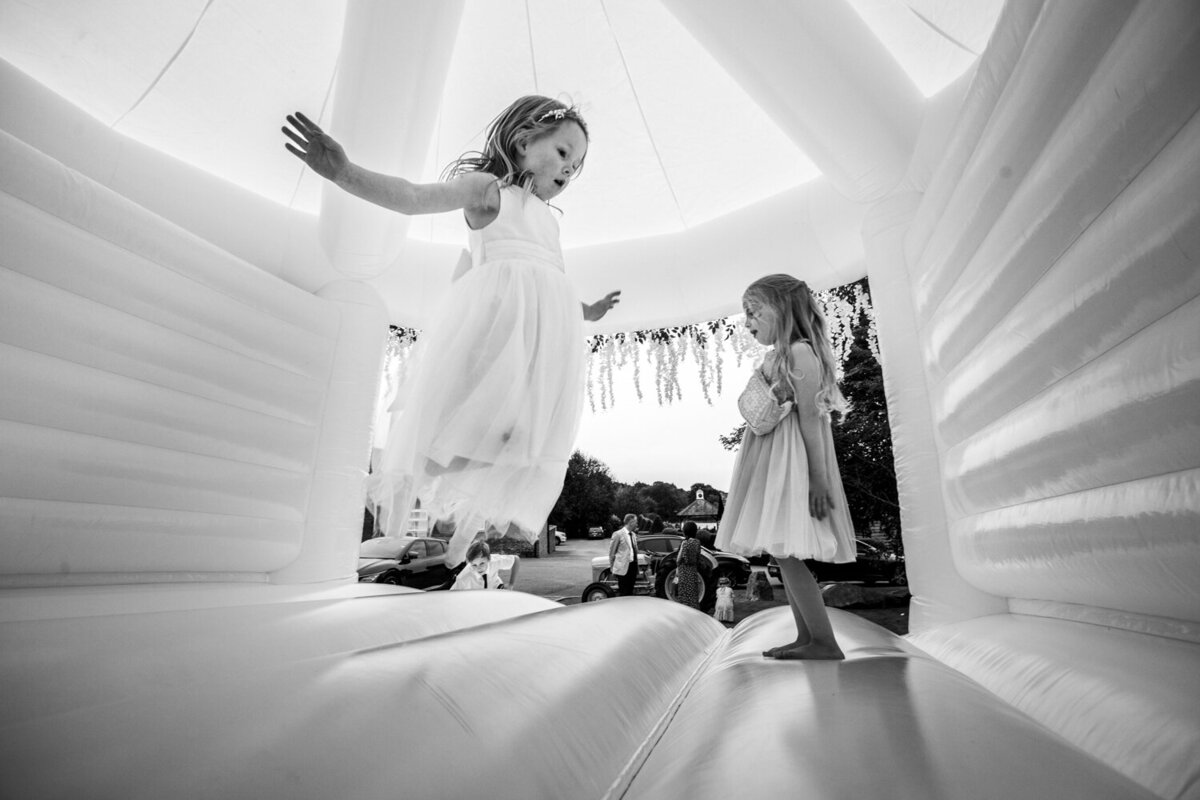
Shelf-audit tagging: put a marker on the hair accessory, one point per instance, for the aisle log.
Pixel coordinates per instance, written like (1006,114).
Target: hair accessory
(558,113)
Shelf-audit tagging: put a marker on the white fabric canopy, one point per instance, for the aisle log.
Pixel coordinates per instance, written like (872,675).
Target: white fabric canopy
(685,132)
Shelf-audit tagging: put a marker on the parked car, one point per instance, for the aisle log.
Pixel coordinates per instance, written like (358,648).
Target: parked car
(415,561)
(874,565)
(596,532)
(559,536)
(728,565)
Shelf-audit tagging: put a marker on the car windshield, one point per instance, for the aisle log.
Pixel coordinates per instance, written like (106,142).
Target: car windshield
(381,547)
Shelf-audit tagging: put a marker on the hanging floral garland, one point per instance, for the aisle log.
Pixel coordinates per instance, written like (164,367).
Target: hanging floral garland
(397,356)
(666,349)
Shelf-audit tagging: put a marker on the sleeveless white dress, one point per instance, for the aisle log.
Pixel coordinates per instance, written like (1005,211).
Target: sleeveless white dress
(767,509)
(482,431)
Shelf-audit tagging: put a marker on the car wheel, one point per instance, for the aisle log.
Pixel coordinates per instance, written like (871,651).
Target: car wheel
(394,578)
(597,591)
(708,591)
(901,577)
(664,576)
(666,586)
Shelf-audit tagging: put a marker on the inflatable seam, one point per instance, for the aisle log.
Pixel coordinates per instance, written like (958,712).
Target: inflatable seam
(620,785)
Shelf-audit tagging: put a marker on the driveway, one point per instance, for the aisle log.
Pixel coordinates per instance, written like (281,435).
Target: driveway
(562,575)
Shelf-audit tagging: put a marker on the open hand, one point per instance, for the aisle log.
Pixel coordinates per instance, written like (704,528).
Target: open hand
(316,148)
(598,309)
(820,501)
(782,391)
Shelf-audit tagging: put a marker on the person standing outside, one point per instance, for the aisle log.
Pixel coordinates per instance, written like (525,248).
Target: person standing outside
(622,555)
(687,563)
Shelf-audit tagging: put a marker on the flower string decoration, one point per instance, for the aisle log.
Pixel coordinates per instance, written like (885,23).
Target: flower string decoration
(665,349)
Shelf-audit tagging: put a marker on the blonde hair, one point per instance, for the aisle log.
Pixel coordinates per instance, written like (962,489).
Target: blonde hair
(794,315)
(527,119)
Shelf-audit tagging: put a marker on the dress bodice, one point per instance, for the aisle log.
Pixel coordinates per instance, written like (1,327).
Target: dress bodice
(524,228)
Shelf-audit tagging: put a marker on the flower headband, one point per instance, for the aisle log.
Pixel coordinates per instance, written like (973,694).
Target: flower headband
(557,114)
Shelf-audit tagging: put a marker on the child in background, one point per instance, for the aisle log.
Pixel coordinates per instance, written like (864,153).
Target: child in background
(724,609)
(482,433)
(786,494)
(482,570)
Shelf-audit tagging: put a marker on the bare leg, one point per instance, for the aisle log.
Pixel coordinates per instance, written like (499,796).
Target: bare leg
(814,632)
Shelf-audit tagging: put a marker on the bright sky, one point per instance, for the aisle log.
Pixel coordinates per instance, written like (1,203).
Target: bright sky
(677,443)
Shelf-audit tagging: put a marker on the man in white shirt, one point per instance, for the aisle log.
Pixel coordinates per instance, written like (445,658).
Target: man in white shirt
(622,555)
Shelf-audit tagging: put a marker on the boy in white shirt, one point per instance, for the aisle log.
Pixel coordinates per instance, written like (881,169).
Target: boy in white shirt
(482,570)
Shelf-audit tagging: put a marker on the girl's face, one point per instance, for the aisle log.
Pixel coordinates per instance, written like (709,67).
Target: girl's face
(480,564)
(759,321)
(553,159)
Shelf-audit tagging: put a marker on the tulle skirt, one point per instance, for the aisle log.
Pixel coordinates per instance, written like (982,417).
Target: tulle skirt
(767,509)
(482,430)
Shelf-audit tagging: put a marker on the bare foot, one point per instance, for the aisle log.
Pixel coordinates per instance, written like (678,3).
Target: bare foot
(809,652)
(774,651)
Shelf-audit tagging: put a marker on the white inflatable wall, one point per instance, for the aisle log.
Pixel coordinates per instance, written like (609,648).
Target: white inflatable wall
(1041,335)
(171,414)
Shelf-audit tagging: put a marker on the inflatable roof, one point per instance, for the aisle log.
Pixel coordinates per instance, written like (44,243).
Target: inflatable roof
(191,334)
(702,163)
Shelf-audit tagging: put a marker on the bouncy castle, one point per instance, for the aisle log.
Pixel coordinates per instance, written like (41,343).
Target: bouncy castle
(191,340)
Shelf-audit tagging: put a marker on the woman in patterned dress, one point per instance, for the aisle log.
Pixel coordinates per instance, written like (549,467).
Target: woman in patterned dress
(687,588)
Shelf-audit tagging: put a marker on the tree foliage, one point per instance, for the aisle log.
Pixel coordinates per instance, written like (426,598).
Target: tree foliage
(863,438)
(591,497)
(587,497)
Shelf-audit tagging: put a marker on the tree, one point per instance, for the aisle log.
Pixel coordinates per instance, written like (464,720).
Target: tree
(588,495)
(630,499)
(666,499)
(863,437)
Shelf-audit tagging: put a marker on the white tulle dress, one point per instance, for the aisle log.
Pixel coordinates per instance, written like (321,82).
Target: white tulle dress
(482,430)
(767,509)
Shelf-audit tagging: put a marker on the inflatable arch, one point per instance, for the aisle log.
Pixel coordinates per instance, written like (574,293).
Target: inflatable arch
(190,368)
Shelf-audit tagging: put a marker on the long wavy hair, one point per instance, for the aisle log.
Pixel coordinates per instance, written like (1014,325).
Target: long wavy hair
(794,315)
(528,119)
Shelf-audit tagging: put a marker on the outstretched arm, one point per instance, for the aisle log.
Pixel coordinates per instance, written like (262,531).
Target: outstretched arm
(474,192)
(598,309)
(513,571)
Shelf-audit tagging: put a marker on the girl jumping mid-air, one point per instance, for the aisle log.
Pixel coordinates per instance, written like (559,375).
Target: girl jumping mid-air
(786,494)
(482,433)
